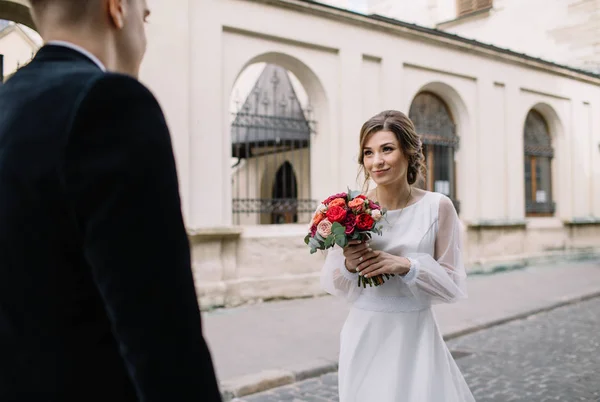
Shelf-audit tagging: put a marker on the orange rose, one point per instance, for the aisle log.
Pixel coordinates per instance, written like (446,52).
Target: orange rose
(357,205)
(319,216)
(338,202)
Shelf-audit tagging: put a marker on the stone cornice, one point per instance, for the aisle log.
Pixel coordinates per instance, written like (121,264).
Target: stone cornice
(433,36)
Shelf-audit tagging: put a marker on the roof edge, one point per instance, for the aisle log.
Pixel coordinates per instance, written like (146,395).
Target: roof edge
(436,35)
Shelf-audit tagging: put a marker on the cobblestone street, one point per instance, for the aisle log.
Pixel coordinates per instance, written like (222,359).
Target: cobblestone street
(553,356)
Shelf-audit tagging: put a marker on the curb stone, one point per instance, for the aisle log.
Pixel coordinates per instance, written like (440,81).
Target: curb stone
(519,316)
(269,379)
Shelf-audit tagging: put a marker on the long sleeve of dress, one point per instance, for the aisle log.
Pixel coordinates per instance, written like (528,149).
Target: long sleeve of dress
(336,279)
(441,279)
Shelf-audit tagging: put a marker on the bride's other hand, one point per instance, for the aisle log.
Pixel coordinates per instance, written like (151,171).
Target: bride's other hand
(384,263)
(356,252)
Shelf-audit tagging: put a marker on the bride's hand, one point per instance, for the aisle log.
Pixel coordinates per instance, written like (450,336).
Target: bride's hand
(356,252)
(384,263)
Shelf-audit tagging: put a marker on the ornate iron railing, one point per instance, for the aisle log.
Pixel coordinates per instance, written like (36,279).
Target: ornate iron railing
(270,146)
(540,207)
(273,205)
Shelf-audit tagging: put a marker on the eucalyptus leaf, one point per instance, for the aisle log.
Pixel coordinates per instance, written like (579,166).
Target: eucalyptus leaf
(338,229)
(354,193)
(341,241)
(329,241)
(307,238)
(314,243)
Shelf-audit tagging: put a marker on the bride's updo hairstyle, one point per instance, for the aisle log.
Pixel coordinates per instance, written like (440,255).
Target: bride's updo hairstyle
(406,133)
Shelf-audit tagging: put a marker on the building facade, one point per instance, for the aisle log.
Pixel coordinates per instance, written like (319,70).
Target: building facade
(512,139)
(562,31)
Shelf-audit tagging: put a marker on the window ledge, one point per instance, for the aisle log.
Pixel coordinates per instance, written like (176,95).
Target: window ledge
(472,16)
(583,221)
(214,234)
(498,224)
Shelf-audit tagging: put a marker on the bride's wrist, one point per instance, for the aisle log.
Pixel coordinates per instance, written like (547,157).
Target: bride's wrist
(404,266)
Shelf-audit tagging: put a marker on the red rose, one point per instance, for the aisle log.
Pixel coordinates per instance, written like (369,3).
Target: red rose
(336,214)
(333,197)
(313,230)
(364,222)
(364,197)
(350,223)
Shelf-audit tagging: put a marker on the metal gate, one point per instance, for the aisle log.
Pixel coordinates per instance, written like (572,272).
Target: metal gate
(271,136)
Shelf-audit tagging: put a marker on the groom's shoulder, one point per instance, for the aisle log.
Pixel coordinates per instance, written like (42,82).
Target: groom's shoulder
(118,90)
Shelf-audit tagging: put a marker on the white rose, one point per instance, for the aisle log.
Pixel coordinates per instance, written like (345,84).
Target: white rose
(376,215)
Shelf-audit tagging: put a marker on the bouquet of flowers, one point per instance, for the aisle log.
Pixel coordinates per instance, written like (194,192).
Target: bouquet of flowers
(344,217)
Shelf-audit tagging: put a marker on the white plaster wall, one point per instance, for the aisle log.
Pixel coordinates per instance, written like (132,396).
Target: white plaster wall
(167,70)
(17,50)
(562,31)
(421,12)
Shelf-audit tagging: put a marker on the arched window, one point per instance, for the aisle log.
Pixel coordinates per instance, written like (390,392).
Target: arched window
(270,128)
(438,132)
(538,166)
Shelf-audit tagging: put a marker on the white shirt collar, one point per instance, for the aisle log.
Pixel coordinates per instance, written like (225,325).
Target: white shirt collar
(80,50)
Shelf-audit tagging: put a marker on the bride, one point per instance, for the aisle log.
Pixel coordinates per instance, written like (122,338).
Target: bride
(391,349)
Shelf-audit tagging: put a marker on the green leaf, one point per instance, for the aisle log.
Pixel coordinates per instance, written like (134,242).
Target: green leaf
(313,250)
(338,230)
(341,241)
(329,241)
(319,238)
(307,238)
(354,193)
(313,243)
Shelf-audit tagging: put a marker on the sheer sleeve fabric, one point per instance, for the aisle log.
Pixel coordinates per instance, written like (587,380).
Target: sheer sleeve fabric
(441,278)
(336,279)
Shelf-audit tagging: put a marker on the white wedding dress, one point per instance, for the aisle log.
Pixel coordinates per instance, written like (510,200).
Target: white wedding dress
(391,349)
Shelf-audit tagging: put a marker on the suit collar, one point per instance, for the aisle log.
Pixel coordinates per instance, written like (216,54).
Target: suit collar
(79,49)
(59,52)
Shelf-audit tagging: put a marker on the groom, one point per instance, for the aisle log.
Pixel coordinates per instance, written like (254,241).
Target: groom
(97,301)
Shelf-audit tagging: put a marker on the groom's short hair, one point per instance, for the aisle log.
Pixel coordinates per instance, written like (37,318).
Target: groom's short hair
(70,11)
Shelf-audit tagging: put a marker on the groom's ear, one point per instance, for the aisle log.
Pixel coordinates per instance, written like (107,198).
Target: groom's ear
(116,12)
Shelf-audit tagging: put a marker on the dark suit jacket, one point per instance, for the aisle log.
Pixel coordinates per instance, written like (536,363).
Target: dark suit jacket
(97,300)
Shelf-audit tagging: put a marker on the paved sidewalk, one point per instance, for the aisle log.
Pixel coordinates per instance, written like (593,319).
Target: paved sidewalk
(257,347)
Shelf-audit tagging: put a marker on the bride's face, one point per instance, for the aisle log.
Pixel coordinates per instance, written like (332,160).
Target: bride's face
(383,158)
